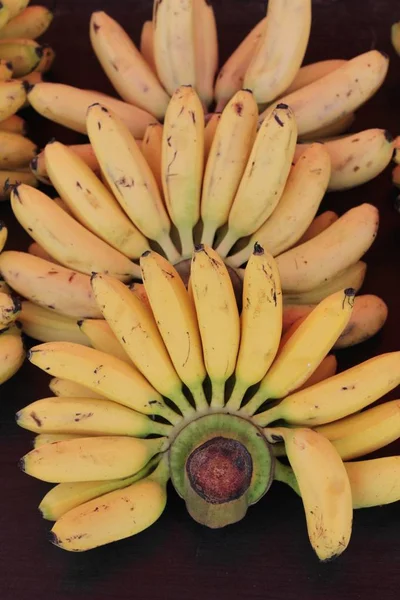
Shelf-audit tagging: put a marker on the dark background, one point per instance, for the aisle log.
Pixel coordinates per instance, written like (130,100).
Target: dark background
(267,555)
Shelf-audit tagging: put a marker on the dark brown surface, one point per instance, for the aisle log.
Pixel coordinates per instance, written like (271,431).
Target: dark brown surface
(267,555)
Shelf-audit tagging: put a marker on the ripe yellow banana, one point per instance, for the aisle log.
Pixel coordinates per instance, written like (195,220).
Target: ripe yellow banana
(24,55)
(64,238)
(182,162)
(10,308)
(125,67)
(12,355)
(298,358)
(71,389)
(135,327)
(86,416)
(209,132)
(4,16)
(90,458)
(281,50)
(44,65)
(264,178)
(68,105)
(51,286)
(90,202)
(14,124)
(3,235)
(102,373)
(151,149)
(174,43)
(339,396)
(12,97)
(83,151)
(369,317)
(324,487)
(310,73)
(340,92)
(129,176)
(205,49)
(305,187)
(231,76)
(31,23)
(395,36)
(15,7)
(102,338)
(4,288)
(47,326)
(374,482)
(16,151)
(48,438)
(114,516)
(318,225)
(146,45)
(5,66)
(217,316)
(261,323)
(227,159)
(341,245)
(176,320)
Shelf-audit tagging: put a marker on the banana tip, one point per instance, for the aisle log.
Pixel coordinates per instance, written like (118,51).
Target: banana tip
(21,464)
(258,249)
(350,292)
(145,253)
(28,87)
(388,136)
(53,539)
(282,105)
(199,247)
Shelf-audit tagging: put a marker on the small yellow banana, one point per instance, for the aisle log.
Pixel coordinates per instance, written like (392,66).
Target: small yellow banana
(374,482)
(146,45)
(205,49)
(71,389)
(4,18)
(44,65)
(48,438)
(30,23)
(151,149)
(12,355)
(16,151)
(24,54)
(5,68)
(10,308)
(209,132)
(47,326)
(102,338)
(83,151)
(3,235)
(369,316)
(9,179)
(12,97)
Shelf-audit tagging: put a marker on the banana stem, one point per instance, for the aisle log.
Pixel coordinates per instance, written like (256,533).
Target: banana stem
(218,394)
(208,235)
(161,428)
(238,259)
(169,249)
(285,474)
(187,244)
(180,400)
(162,472)
(236,398)
(169,414)
(268,416)
(199,397)
(227,243)
(254,404)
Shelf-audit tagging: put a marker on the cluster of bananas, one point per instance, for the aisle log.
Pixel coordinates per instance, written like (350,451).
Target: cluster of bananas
(167,194)
(111,442)
(22,62)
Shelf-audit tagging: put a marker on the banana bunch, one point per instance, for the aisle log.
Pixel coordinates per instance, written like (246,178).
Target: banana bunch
(12,351)
(240,395)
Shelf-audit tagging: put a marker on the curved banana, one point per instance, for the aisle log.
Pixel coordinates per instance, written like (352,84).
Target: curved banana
(4,288)
(90,202)
(4,18)
(151,149)
(368,318)
(23,54)
(15,7)
(30,23)
(310,73)
(48,438)
(395,36)
(264,178)
(51,286)
(146,45)
(174,43)
(231,75)
(9,179)
(12,97)
(205,49)
(64,238)
(125,67)
(374,482)
(10,309)
(67,105)
(16,151)
(5,66)
(103,373)
(217,316)
(14,124)
(281,49)
(318,225)
(83,151)
(12,355)
(44,65)
(341,245)
(129,176)
(47,326)
(351,390)
(71,389)
(102,338)
(340,92)
(305,187)
(183,161)
(227,159)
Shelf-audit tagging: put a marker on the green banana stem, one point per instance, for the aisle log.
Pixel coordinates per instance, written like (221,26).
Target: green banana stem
(285,474)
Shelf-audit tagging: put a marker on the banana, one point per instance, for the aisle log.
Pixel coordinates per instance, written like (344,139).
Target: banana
(5,66)
(324,487)
(12,97)
(176,320)
(10,308)
(205,49)
(182,161)
(48,438)
(277,60)
(136,330)
(64,387)
(318,225)
(152,149)
(102,338)
(102,373)
(368,318)
(68,105)
(12,355)
(90,202)
(114,516)
(3,235)
(4,288)
(64,238)
(86,416)
(23,54)
(305,187)
(395,36)
(352,277)
(129,176)
(217,316)
(125,67)
(227,159)
(90,458)
(262,311)
(231,76)
(44,65)
(340,92)
(9,179)
(83,151)
(338,396)
(310,73)
(4,16)
(15,7)
(298,358)
(146,45)
(334,129)
(327,368)
(31,23)
(47,326)
(209,132)
(341,245)
(174,43)
(65,291)
(16,151)
(374,482)
(37,250)
(14,124)
(264,177)
(31,79)
(364,432)
(66,496)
